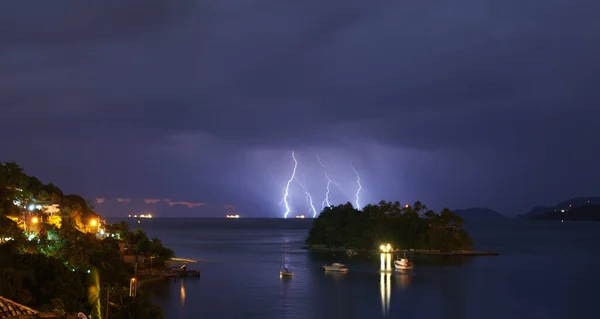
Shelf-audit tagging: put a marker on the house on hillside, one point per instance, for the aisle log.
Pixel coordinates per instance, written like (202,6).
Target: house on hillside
(48,208)
(129,256)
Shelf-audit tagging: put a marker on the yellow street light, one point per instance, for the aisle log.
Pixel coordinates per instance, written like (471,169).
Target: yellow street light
(132,287)
(34,220)
(93,222)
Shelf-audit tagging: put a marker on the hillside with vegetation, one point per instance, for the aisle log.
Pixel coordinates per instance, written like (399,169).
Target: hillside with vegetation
(404,227)
(479,214)
(562,206)
(59,256)
(589,212)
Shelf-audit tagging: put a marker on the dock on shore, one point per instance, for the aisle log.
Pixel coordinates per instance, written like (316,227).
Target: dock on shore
(184,273)
(178,268)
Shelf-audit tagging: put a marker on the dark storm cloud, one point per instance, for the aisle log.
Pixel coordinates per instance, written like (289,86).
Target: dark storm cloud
(268,67)
(145,87)
(64,22)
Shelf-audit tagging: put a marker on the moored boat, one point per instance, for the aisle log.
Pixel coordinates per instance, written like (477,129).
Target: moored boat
(403,264)
(336,267)
(284,272)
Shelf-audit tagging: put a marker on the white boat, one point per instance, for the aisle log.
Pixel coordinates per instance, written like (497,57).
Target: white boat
(284,272)
(403,264)
(336,267)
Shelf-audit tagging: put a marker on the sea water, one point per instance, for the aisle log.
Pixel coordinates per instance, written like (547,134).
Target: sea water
(544,270)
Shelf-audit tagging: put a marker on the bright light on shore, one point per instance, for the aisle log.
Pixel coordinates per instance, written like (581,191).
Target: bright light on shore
(386,248)
(233,216)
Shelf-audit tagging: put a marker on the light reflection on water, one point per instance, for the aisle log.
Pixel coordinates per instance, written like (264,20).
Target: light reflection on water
(182,296)
(385,287)
(242,278)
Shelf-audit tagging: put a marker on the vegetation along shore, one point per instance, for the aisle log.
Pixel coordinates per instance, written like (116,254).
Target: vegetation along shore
(413,229)
(60,257)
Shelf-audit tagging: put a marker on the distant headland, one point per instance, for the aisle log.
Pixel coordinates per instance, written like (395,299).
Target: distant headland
(575,209)
(479,214)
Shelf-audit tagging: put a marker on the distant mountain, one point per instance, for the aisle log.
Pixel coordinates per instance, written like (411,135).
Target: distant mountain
(568,204)
(479,214)
(587,212)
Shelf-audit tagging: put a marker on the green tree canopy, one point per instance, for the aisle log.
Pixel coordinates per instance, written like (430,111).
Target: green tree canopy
(406,227)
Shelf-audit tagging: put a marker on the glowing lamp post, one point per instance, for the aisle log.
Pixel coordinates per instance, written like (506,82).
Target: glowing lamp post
(94,225)
(386,257)
(132,287)
(34,221)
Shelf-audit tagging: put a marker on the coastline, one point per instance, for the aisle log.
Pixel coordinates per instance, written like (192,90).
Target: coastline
(151,279)
(430,252)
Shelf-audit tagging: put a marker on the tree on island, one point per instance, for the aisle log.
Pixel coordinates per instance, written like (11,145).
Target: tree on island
(405,227)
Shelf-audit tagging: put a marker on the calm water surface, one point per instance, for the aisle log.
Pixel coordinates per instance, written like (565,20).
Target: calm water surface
(545,270)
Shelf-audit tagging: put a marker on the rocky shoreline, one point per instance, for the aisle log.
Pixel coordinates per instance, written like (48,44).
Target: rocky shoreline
(408,251)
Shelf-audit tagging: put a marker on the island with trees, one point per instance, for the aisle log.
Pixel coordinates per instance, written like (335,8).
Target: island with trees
(412,228)
(60,257)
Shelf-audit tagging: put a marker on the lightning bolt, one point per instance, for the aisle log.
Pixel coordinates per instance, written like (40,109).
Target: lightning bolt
(326,202)
(359,187)
(309,199)
(286,195)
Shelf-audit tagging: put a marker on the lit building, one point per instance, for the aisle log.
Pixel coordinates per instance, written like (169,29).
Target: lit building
(50,209)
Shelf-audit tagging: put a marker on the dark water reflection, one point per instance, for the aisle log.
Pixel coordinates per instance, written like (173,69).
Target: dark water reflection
(545,270)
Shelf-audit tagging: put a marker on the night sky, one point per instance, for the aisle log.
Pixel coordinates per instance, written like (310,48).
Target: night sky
(192,108)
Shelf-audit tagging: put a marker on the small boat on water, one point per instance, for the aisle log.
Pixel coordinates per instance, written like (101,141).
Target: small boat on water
(336,267)
(284,272)
(403,264)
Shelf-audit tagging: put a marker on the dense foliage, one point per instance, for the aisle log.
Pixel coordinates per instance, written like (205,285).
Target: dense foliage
(405,227)
(66,267)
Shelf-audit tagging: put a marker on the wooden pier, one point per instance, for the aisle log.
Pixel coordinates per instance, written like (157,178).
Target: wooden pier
(184,273)
(179,268)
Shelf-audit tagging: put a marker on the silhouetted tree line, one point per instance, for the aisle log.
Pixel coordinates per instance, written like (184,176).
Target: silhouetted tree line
(405,227)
